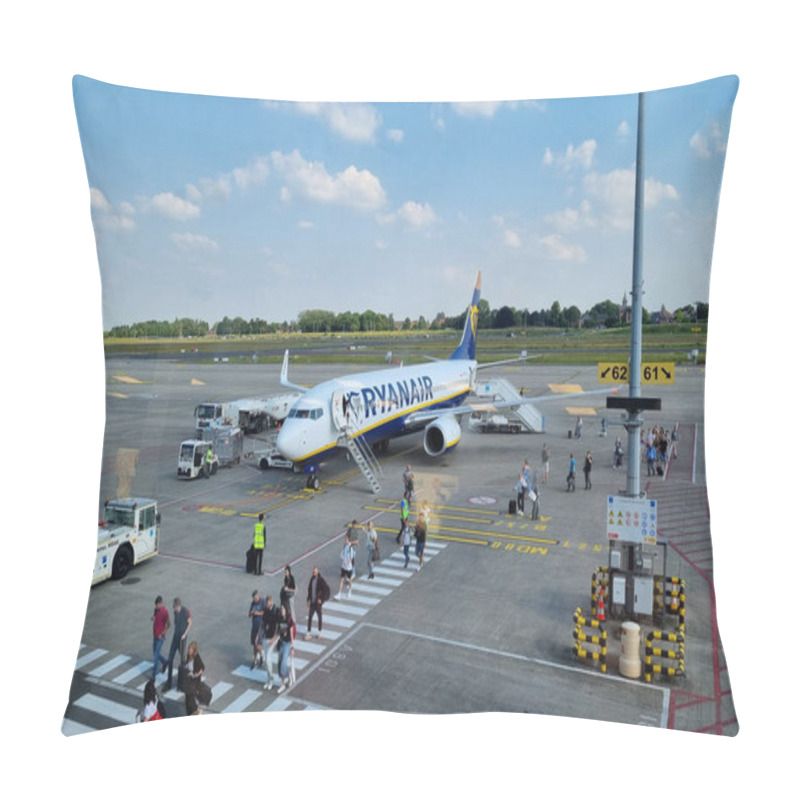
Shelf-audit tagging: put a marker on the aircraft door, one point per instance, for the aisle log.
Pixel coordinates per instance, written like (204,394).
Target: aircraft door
(339,410)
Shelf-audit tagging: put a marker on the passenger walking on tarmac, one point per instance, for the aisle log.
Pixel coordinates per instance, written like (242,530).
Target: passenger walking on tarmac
(161,624)
(288,589)
(651,459)
(617,453)
(406,543)
(352,535)
(150,711)
(404,509)
(259,542)
(256,615)
(373,554)
(181,624)
(194,677)
(579,428)
(674,438)
(269,636)
(571,474)
(522,488)
(408,483)
(587,470)
(346,572)
(421,536)
(318,594)
(286,632)
(545,462)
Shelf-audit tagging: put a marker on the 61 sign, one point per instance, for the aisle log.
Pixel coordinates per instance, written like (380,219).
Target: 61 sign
(652,373)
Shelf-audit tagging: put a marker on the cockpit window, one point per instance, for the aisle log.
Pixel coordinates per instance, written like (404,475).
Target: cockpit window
(305,413)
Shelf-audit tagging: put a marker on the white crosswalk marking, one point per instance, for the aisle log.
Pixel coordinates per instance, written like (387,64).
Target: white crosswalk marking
(107,708)
(104,669)
(97,663)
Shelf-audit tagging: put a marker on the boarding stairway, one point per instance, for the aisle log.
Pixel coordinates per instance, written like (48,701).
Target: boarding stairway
(362,454)
(502,389)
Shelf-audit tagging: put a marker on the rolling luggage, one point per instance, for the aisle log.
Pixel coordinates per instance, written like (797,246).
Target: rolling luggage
(250,560)
(512,507)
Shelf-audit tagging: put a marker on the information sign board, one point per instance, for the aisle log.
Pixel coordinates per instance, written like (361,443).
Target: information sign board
(632,519)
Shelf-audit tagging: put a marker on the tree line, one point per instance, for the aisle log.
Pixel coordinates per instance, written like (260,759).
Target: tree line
(605,314)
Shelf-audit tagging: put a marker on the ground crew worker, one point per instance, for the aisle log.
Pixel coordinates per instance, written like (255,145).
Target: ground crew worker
(259,542)
(209,459)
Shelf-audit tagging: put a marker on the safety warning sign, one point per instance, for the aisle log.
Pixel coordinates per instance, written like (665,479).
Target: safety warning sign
(632,519)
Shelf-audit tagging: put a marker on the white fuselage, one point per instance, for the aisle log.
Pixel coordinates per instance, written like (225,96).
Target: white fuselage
(376,405)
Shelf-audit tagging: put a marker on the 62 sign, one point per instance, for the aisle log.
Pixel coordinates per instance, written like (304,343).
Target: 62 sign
(612,373)
(653,372)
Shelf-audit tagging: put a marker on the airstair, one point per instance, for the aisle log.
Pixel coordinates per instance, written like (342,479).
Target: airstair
(362,454)
(502,389)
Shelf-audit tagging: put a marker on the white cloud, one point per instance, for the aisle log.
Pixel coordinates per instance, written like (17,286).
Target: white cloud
(581,156)
(254,174)
(194,241)
(356,122)
(556,249)
(114,222)
(704,145)
(171,206)
(416,215)
(104,216)
(355,188)
(571,219)
(98,201)
(395,135)
(476,109)
(511,238)
(305,224)
(623,130)
(614,194)
(489,108)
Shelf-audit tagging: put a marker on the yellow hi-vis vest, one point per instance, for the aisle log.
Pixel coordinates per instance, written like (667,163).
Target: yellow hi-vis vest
(258,536)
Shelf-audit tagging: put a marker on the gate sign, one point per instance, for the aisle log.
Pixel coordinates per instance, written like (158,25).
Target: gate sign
(652,372)
(632,519)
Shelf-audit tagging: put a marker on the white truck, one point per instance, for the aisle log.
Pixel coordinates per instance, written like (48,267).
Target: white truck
(192,459)
(251,414)
(126,536)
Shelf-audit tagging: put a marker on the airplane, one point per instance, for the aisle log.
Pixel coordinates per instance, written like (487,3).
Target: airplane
(373,407)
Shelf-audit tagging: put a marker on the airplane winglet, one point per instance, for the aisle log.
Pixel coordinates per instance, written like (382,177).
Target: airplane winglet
(285,376)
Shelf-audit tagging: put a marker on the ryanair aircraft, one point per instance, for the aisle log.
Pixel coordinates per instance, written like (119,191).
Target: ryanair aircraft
(374,407)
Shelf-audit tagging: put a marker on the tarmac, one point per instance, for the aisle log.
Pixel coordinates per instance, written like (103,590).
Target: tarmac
(486,624)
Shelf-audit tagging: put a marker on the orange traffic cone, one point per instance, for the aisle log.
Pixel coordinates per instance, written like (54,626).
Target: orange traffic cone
(601,607)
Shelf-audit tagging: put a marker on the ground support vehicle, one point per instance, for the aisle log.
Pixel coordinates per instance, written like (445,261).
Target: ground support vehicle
(192,459)
(494,423)
(228,443)
(127,535)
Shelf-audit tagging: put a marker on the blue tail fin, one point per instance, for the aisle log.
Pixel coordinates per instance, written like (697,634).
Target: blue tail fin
(466,348)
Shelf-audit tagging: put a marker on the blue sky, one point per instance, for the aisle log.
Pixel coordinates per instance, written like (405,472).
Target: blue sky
(205,207)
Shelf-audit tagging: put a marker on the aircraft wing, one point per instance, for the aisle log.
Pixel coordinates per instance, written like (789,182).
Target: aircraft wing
(285,376)
(492,406)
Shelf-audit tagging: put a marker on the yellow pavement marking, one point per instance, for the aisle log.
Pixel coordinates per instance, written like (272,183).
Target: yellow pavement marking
(196,382)
(119,395)
(578,411)
(125,379)
(565,388)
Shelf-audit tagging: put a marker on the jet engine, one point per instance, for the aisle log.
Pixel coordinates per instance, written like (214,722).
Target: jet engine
(441,435)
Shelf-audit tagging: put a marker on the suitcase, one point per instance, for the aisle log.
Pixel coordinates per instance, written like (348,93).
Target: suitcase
(250,560)
(512,507)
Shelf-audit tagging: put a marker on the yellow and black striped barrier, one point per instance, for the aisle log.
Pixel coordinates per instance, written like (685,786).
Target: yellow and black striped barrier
(599,582)
(584,639)
(678,657)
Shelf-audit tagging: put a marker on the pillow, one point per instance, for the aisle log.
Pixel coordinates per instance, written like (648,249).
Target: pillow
(257,259)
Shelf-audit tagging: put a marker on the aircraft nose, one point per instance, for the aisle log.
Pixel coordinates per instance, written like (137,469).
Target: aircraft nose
(286,442)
